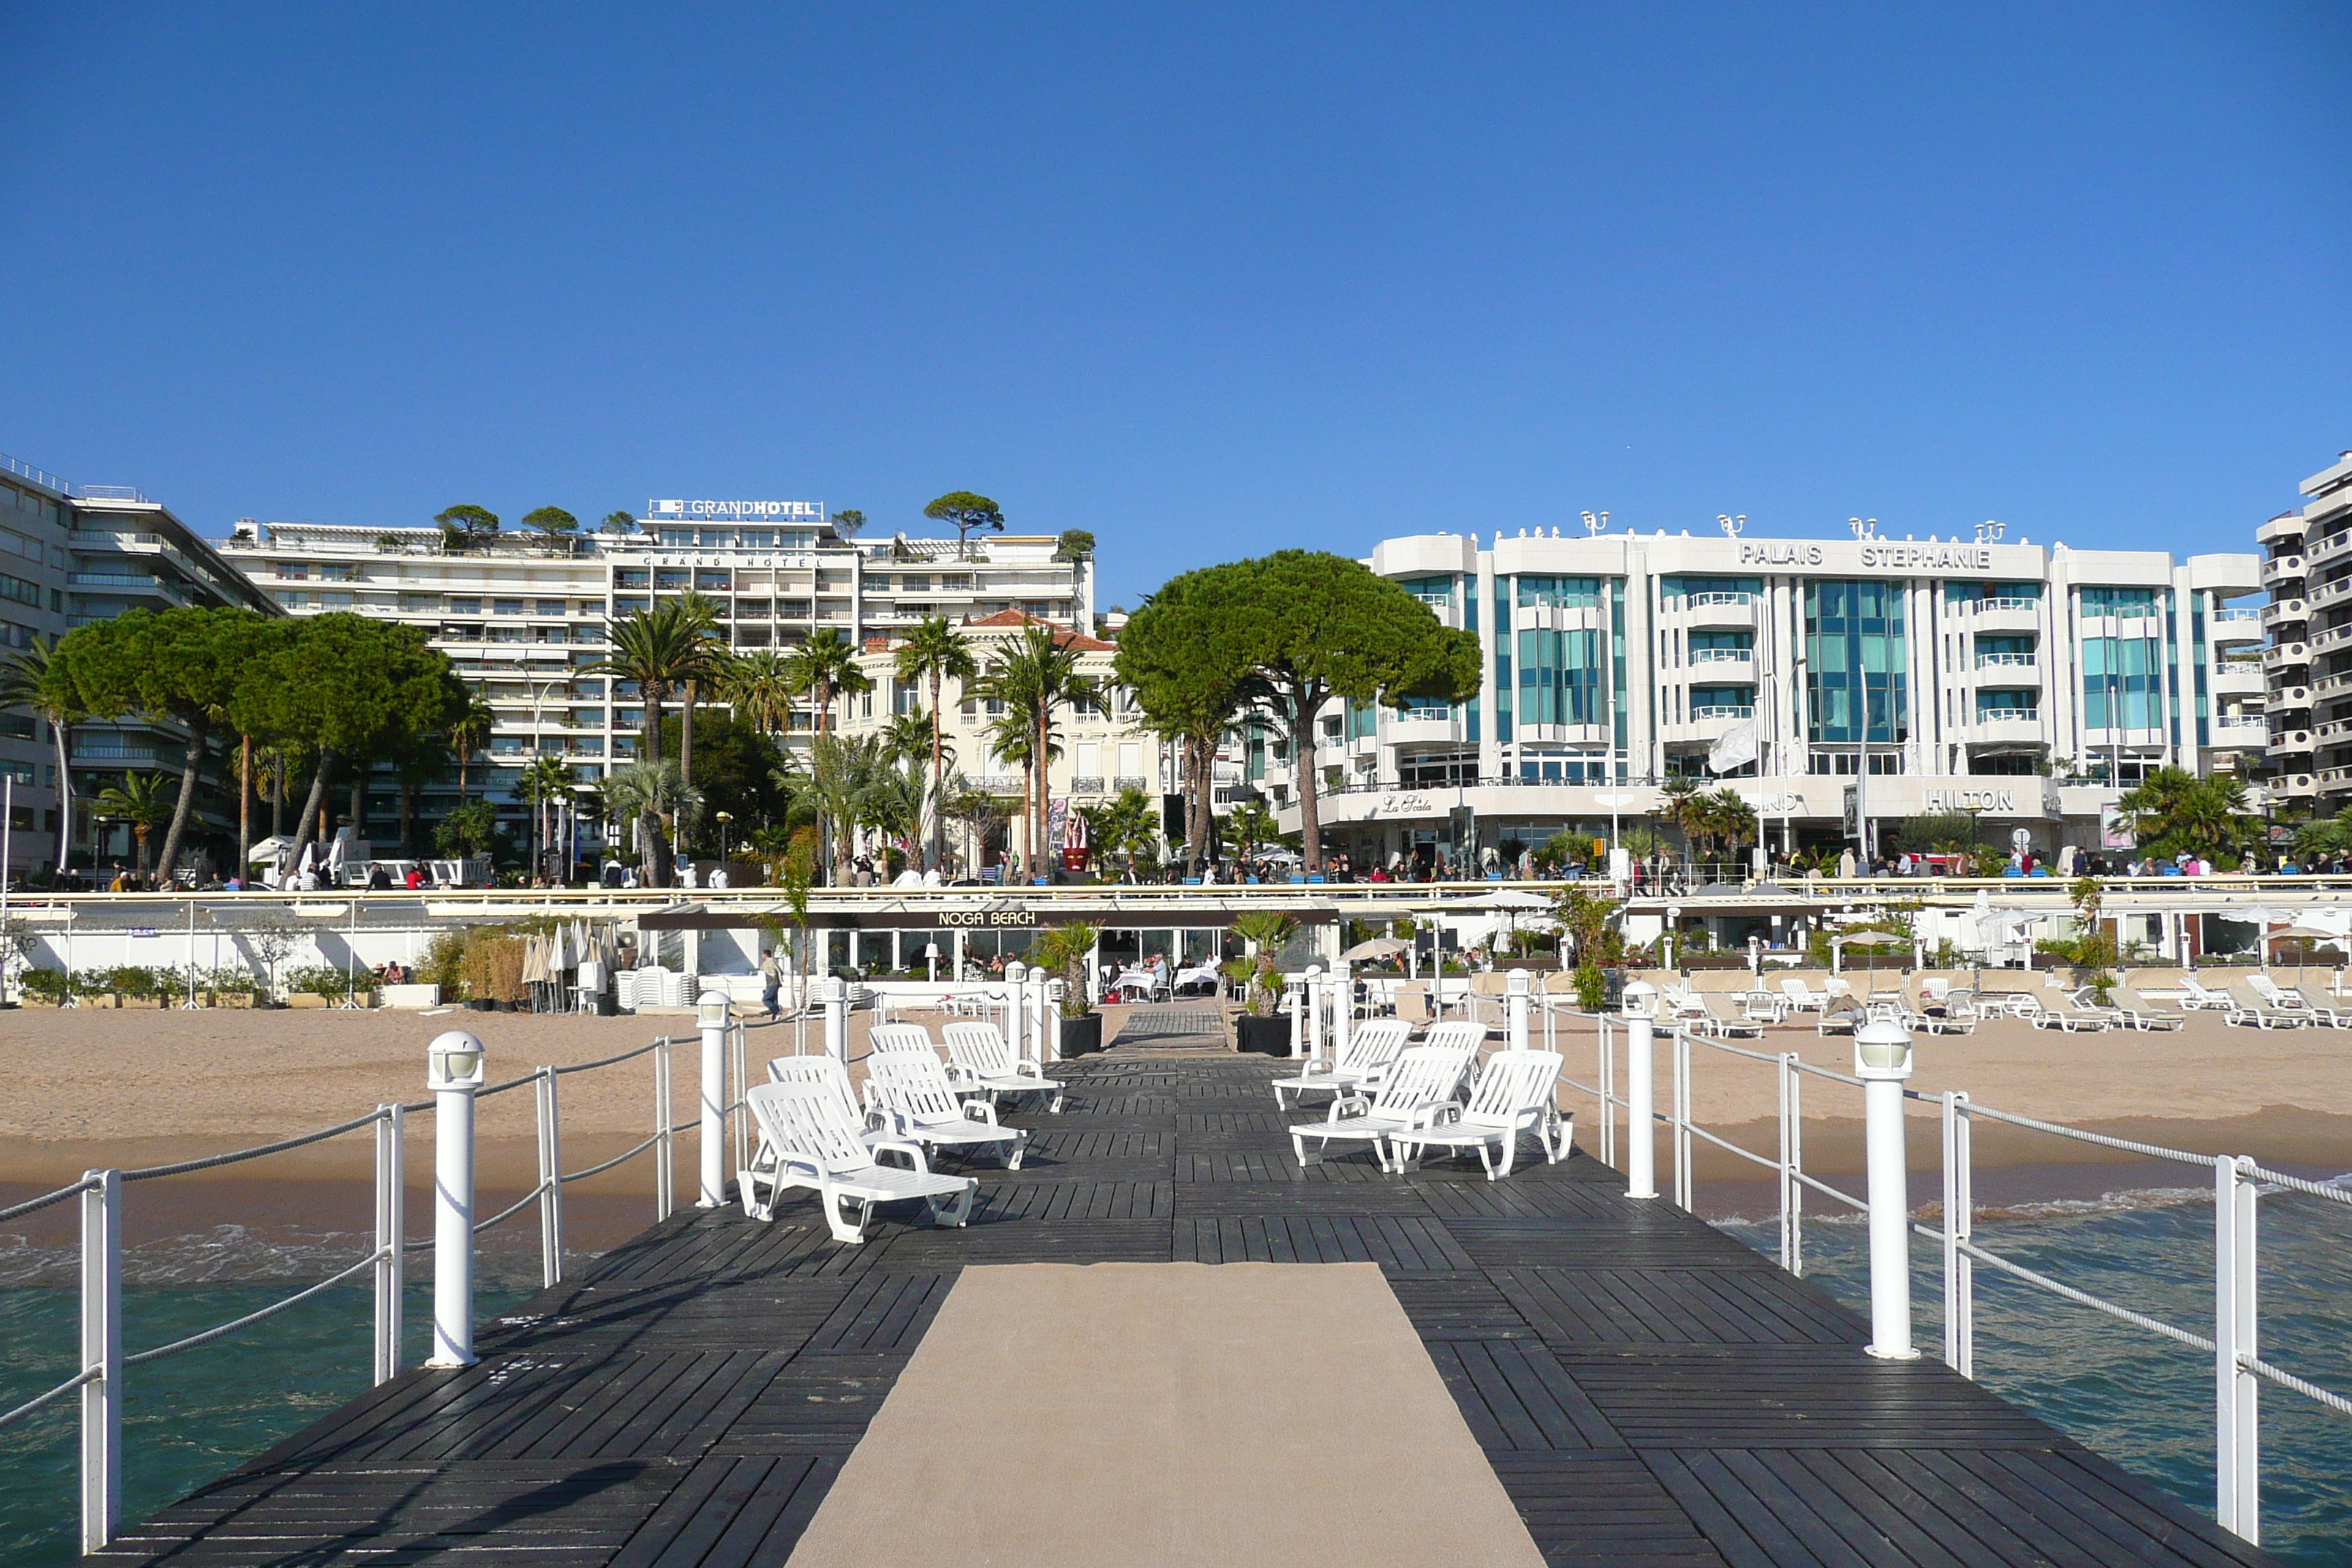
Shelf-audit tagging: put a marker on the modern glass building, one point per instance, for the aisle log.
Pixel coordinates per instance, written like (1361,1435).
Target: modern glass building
(2027,683)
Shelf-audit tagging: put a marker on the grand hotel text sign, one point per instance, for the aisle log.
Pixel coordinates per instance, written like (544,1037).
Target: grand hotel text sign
(1871,555)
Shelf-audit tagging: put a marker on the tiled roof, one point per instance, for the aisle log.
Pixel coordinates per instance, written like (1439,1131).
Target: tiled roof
(1008,619)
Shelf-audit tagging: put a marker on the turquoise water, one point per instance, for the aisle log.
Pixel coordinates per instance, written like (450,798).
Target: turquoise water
(188,1418)
(2140,1400)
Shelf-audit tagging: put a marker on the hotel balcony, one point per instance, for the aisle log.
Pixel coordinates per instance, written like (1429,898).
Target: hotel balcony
(1999,670)
(1707,722)
(1994,616)
(2286,655)
(2241,732)
(2319,595)
(2014,725)
(2284,567)
(2337,684)
(2337,546)
(1724,663)
(1711,610)
(2243,623)
(2231,679)
(2285,612)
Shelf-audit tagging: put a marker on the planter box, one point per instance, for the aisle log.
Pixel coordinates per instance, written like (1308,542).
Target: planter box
(1079,1037)
(308,999)
(1268,1037)
(412,995)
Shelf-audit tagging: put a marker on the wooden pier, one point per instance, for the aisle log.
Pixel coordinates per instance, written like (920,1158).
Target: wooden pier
(1647,1390)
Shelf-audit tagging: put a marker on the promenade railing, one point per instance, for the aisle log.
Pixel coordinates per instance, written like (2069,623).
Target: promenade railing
(101,1380)
(2239,1183)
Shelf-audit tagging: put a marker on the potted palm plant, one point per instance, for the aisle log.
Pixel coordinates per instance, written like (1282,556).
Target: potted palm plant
(1063,951)
(1258,980)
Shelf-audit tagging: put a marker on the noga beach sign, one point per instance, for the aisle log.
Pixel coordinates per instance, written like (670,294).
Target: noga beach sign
(737,511)
(1874,554)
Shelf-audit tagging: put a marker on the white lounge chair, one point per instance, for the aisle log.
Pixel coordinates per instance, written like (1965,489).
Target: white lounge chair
(914,1092)
(2067,1017)
(1372,1047)
(1957,1014)
(1702,1016)
(1424,1079)
(2290,1000)
(2247,1008)
(1801,998)
(980,1058)
(811,1138)
(1516,1094)
(2199,997)
(2138,1013)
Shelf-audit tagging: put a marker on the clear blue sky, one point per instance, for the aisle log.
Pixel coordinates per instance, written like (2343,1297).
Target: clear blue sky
(1205,281)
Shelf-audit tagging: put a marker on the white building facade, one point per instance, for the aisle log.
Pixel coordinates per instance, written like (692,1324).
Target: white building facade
(1834,680)
(521,616)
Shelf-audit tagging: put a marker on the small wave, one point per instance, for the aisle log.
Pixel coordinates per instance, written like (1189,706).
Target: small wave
(236,1254)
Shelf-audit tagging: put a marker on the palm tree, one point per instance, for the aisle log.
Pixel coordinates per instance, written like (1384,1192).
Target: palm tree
(1685,805)
(907,737)
(142,800)
(758,686)
(642,793)
(827,666)
(839,783)
(468,735)
(660,649)
(935,651)
(2174,811)
(544,779)
(1123,825)
(1034,675)
(25,683)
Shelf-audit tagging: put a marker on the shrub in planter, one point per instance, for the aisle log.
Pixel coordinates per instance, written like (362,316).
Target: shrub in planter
(318,979)
(132,983)
(50,985)
(91,984)
(1081,1035)
(1256,976)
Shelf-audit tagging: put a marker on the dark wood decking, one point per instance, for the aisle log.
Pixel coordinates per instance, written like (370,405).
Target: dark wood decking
(1649,1391)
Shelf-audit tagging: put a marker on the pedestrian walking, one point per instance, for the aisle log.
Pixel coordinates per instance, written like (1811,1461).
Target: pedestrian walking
(771,980)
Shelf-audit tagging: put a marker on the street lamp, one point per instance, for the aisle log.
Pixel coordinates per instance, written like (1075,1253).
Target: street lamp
(725,818)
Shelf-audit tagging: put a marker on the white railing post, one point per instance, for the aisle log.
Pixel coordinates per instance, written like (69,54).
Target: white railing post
(1306,1032)
(1683,1172)
(710,1013)
(1788,1175)
(1608,1090)
(1296,1015)
(1641,1093)
(1796,1167)
(454,1066)
(1882,1061)
(1343,1008)
(838,1019)
(1040,1028)
(1959,1214)
(2238,1413)
(1015,1008)
(1515,1013)
(550,1178)
(391,1246)
(664,1174)
(739,1115)
(101,1357)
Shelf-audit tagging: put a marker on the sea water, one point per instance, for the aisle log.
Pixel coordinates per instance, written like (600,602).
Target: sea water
(2132,1396)
(190,1418)
(2142,1400)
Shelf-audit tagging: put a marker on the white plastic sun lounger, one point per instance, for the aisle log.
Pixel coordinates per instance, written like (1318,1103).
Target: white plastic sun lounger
(980,1058)
(2067,1017)
(912,1089)
(2138,1013)
(2196,996)
(812,1139)
(2245,1008)
(1372,1047)
(1514,1096)
(1425,1078)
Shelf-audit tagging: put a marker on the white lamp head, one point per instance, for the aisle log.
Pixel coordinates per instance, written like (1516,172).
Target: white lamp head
(1639,999)
(930,950)
(712,1010)
(453,1060)
(1014,971)
(1517,983)
(1882,1050)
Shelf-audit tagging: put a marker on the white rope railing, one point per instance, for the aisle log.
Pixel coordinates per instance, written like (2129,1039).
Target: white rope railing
(100,1380)
(2239,1183)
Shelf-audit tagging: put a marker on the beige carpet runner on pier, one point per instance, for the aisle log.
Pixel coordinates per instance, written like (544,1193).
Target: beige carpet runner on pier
(1243,1414)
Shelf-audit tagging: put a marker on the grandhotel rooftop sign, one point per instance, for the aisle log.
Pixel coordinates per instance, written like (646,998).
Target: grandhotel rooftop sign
(738,511)
(1874,554)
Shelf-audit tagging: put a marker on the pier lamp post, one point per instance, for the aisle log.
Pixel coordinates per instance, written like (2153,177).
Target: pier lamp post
(837,1020)
(1013,971)
(1641,1005)
(931,962)
(726,819)
(453,1071)
(1517,985)
(713,1012)
(1306,1020)
(1882,1060)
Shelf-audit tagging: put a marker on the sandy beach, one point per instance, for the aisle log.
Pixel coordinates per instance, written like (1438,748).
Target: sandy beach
(83,1089)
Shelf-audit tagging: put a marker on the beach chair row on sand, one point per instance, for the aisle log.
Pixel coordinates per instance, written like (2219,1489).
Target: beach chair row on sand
(814,1133)
(1416,1106)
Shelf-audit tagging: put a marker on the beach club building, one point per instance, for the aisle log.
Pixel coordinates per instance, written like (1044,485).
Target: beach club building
(1834,683)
